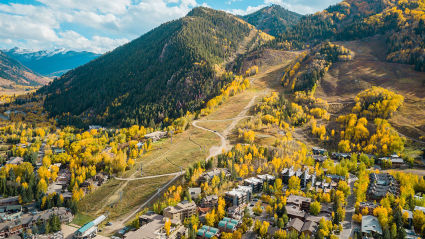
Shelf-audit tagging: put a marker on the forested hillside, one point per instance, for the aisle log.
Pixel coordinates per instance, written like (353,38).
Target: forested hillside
(273,20)
(159,76)
(14,74)
(401,21)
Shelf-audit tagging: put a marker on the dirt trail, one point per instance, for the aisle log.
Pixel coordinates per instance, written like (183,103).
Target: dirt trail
(225,144)
(261,82)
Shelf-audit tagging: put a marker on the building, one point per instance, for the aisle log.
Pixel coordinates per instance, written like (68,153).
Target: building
(15,160)
(306,178)
(371,227)
(267,178)
(181,211)
(155,136)
(228,225)
(396,161)
(238,196)
(89,230)
(236,212)
(255,183)
(9,229)
(247,190)
(235,198)
(17,225)
(206,232)
(65,216)
(301,202)
(95,127)
(150,227)
(324,186)
(209,201)
(295,224)
(287,173)
(380,185)
(9,201)
(335,178)
(309,228)
(340,156)
(208,176)
(194,192)
(318,151)
(369,206)
(304,175)
(294,212)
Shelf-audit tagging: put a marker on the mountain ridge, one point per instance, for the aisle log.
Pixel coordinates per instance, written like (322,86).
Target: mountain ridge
(15,75)
(159,76)
(51,63)
(272,19)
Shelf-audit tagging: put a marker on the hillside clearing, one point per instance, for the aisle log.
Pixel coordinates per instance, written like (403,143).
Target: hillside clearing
(369,68)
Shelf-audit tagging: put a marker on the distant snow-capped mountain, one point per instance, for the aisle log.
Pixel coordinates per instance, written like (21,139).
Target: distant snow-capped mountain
(51,63)
(14,75)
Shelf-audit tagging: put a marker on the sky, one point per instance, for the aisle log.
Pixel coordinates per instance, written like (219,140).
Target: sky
(102,25)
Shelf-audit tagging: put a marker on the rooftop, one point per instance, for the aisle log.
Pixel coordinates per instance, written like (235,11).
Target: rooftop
(148,231)
(309,226)
(370,224)
(296,224)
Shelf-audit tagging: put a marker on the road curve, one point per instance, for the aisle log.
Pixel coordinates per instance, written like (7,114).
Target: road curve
(225,144)
(215,150)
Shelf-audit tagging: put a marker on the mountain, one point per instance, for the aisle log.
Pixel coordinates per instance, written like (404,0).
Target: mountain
(273,19)
(51,63)
(401,22)
(15,75)
(159,76)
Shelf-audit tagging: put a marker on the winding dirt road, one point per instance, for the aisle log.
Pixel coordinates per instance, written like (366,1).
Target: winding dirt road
(225,143)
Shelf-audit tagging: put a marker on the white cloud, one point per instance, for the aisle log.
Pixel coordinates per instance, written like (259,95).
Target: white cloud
(106,24)
(304,6)
(248,10)
(101,25)
(279,2)
(299,6)
(229,2)
(98,44)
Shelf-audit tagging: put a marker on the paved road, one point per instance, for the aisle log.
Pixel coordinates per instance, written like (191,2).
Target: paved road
(347,225)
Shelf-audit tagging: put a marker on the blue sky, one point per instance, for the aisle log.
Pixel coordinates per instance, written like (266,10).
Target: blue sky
(102,25)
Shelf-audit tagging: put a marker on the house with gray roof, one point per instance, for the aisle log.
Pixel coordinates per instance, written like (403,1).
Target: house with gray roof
(371,226)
